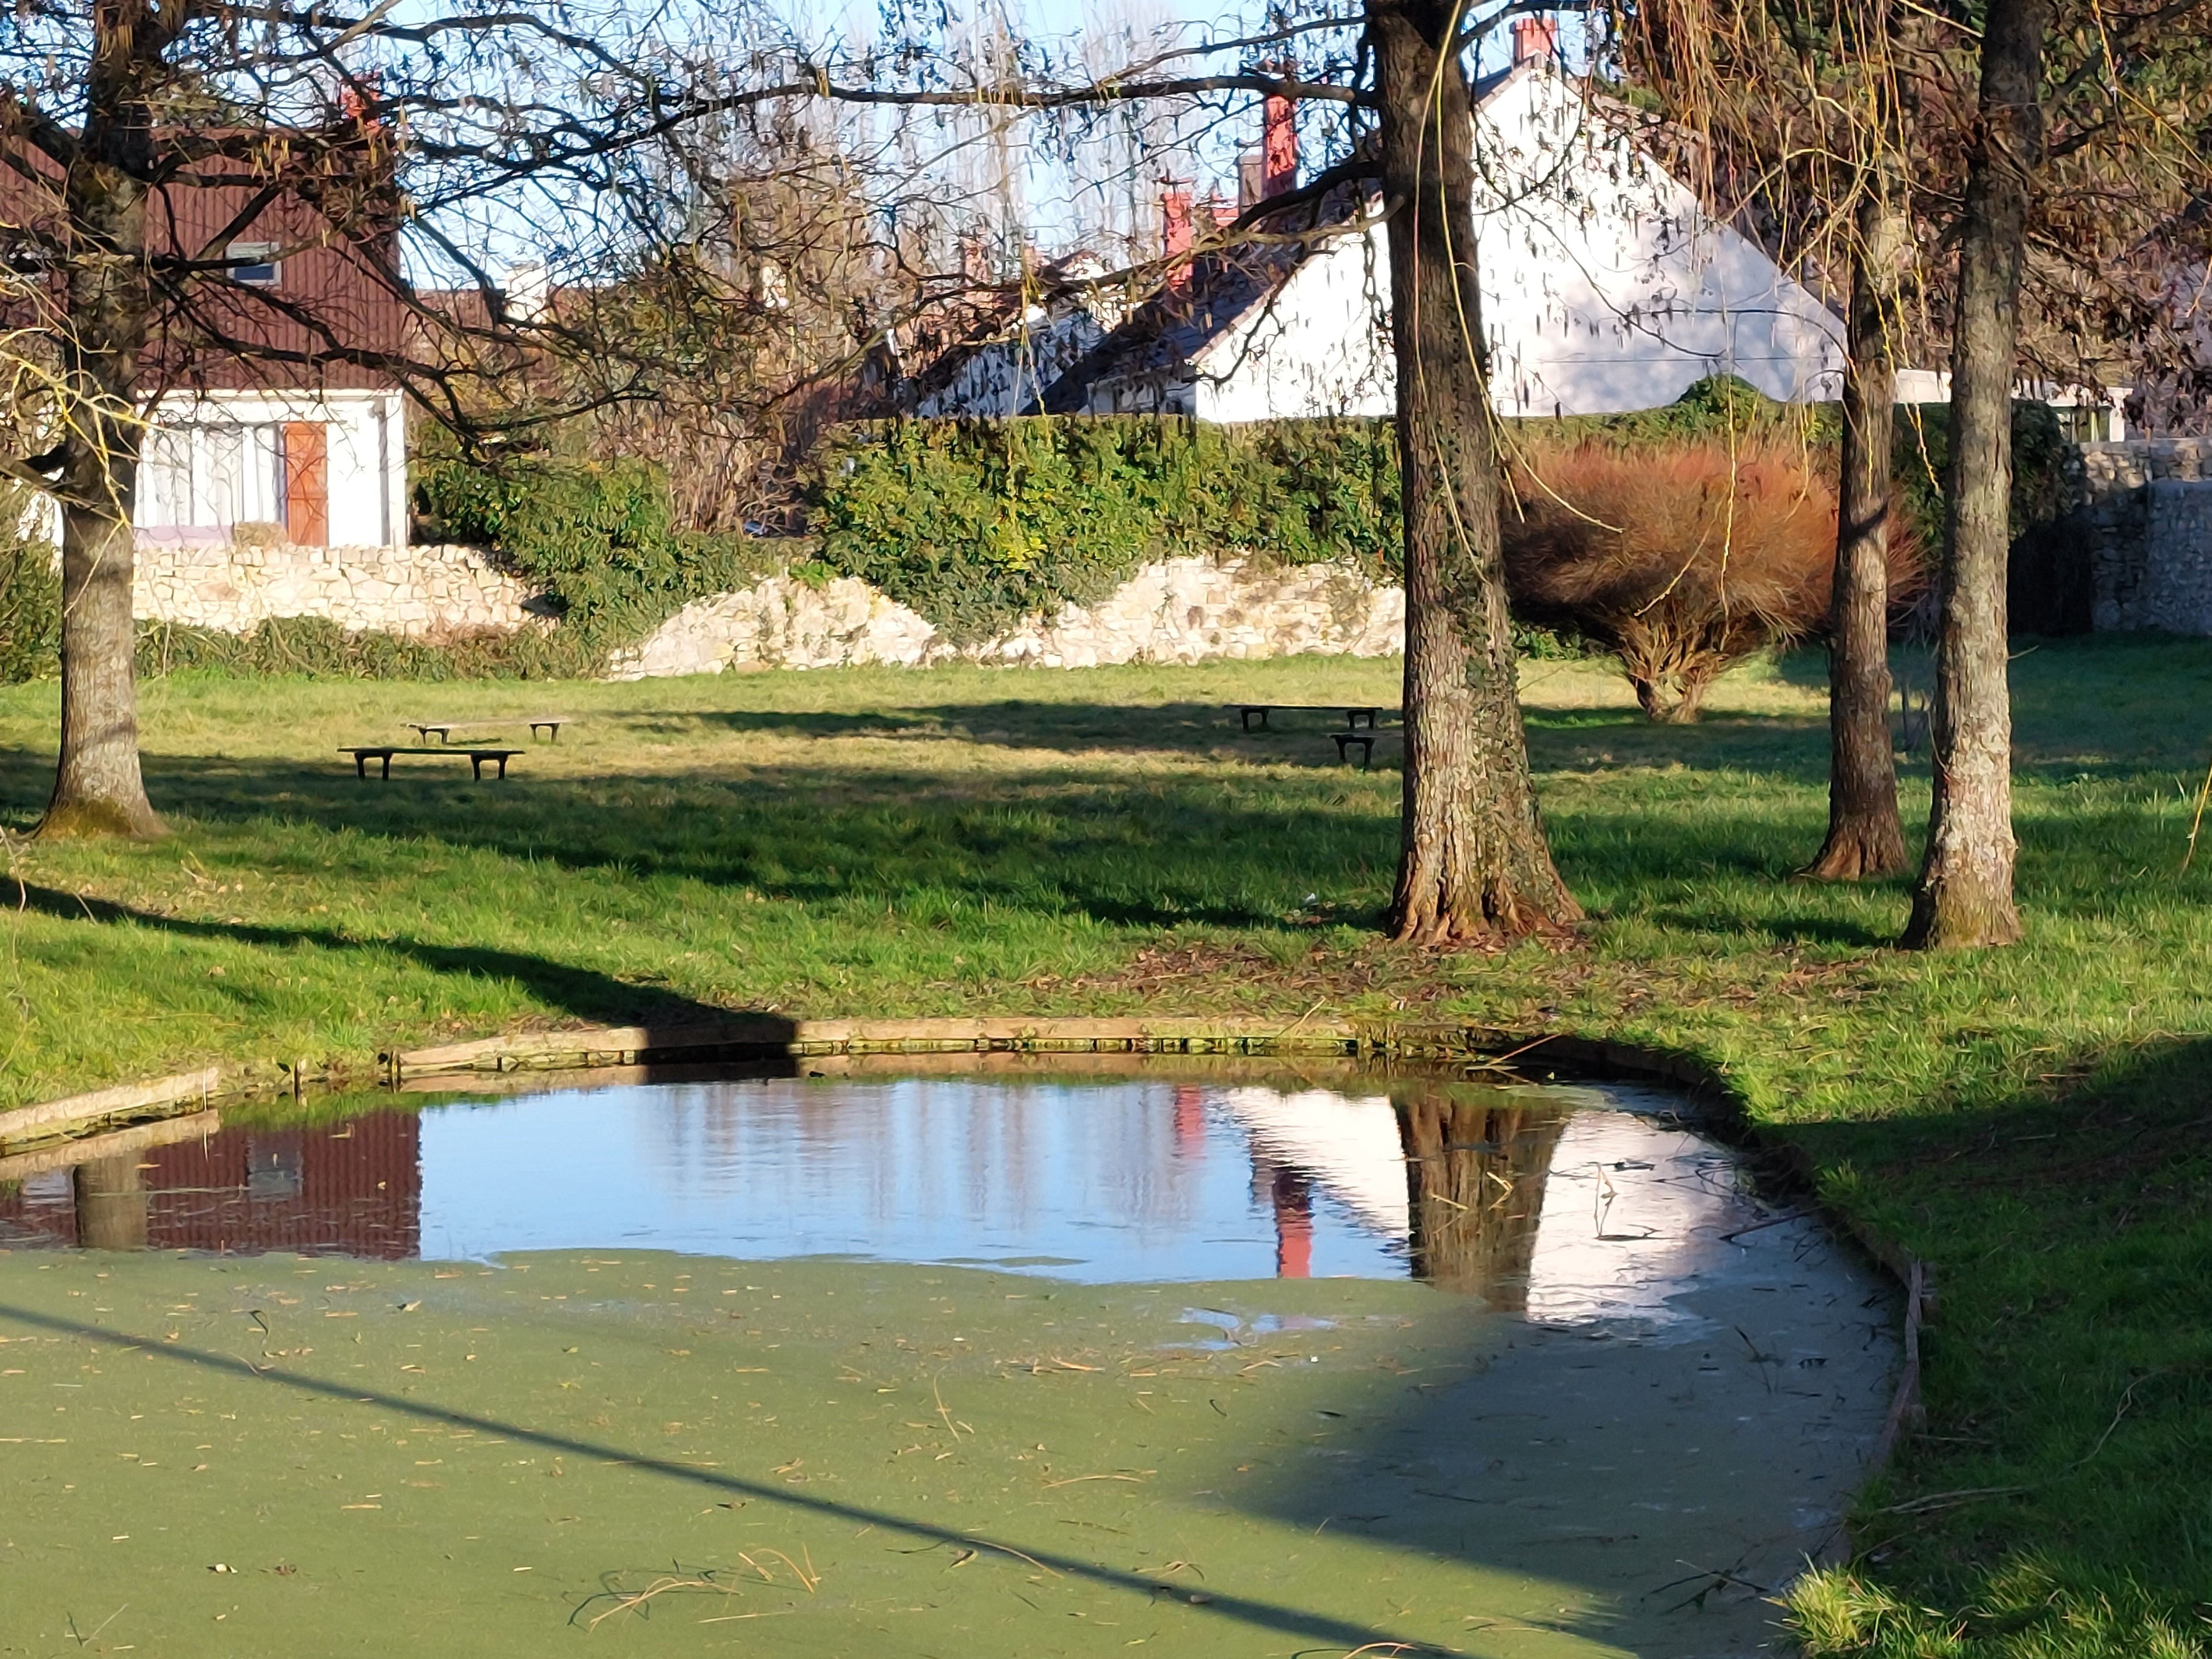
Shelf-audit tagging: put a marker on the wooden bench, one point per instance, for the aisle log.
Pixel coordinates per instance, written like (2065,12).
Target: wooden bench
(1354,714)
(1365,739)
(548,724)
(364,753)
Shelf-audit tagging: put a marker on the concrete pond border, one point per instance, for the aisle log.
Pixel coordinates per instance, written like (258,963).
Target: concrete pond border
(35,1138)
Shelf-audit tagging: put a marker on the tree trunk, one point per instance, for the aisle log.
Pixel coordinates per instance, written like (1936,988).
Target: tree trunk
(1473,864)
(97,787)
(1865,837)
(1965,893)
(1475,1188)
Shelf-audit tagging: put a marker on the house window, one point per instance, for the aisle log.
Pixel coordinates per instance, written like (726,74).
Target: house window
(254,264)
(214,476)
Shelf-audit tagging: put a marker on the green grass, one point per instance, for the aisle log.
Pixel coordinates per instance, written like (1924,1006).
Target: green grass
(2033,1122)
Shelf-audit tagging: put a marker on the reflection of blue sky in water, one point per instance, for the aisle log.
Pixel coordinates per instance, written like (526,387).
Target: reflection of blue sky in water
(1109,1183)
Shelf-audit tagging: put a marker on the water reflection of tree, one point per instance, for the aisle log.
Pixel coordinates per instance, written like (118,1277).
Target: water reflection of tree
(112,1203)
(1475,1163)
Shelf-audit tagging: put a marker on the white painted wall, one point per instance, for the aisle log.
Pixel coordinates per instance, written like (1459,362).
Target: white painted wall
(366,443)
(1605,288)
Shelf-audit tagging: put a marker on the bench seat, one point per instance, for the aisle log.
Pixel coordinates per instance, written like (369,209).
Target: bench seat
(365,752)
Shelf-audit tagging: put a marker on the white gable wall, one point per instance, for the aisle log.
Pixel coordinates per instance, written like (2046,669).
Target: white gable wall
(1604,288)
(1321,347)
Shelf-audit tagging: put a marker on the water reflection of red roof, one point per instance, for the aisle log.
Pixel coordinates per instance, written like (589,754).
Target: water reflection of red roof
(353,1188)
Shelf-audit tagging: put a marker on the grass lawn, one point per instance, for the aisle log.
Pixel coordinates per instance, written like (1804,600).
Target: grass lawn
(2033,1122)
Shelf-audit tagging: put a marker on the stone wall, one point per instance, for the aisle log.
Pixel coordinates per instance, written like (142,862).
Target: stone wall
(419,592)
(2147,529)
(1177,610)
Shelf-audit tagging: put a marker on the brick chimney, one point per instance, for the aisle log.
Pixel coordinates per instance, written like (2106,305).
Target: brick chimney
(1176,233)
(1278,144)
(1535,40)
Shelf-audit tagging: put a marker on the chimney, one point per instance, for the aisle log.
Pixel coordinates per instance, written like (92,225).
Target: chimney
(1535,40)
(1278,143)
(1175,232)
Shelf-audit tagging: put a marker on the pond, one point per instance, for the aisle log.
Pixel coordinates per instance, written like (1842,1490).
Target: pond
(1553,1353)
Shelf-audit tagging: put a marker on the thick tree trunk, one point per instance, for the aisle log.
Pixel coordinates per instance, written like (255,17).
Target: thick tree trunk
(1473,863)
(1865,837)
(97,787)
(1965,893)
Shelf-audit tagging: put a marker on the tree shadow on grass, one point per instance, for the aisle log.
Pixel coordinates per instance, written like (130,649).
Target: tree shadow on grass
(587,996)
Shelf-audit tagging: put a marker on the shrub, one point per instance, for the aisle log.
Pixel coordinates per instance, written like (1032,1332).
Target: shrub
(1682,560)
(977,524)
(594,539)
(30,595)
(314,647)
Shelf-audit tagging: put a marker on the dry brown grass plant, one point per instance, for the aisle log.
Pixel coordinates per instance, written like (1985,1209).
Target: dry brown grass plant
(1684,560)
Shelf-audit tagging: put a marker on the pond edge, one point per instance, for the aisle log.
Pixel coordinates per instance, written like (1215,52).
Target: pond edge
(765,1037)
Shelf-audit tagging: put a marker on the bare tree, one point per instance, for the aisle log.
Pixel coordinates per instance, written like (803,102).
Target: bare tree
(143,142)
(1965,893)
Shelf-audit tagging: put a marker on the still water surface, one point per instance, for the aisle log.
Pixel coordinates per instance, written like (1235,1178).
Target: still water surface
(1565,1203)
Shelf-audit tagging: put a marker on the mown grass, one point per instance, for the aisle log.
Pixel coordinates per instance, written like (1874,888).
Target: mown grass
(2033,1122)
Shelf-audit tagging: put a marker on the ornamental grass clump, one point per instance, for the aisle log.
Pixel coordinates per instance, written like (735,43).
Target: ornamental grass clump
(1681,561)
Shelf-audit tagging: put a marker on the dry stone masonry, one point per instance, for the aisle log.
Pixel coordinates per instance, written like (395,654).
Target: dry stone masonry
(1176,611)
(2147,525)
(417,591)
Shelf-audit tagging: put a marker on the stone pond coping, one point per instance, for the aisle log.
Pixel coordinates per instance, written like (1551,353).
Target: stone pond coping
(179,1106)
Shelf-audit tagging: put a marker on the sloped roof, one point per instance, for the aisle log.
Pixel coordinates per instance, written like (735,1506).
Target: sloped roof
(1227,288)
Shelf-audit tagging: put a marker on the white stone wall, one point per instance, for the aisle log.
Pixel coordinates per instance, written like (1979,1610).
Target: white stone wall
(418,592)
(1177,610)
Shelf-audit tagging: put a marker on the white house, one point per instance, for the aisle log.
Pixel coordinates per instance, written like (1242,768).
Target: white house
(321,468)
(1604,288)
(1018,350)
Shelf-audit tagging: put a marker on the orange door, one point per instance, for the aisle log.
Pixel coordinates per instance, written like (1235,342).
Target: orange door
(307,483)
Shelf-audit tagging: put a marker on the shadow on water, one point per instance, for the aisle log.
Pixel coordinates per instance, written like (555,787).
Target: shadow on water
(1535,1424)
(1222,1605)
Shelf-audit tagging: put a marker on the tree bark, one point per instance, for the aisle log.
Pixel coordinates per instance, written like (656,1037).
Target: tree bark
(1965,893)
(1865,836)
(1473,863)
(98,790)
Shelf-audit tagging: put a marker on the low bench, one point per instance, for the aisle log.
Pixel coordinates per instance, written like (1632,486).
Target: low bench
(1365,740)
(366,752)
(1355,714)
(550,724)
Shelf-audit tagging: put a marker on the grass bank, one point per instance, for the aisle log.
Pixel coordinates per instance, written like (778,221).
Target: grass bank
(2030,1121)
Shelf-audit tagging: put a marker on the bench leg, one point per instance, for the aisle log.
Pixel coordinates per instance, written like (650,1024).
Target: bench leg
(476,767)
(361,766)
(387,766)
(502,766)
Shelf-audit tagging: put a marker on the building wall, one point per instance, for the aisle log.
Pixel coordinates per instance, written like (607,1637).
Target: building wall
(1604,288)
(365,464)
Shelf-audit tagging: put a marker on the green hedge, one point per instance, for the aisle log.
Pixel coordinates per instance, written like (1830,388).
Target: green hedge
(976,524)
(30,596)
(594,538)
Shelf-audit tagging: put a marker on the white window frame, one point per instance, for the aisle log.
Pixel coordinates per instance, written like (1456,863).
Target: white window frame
(257,258)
